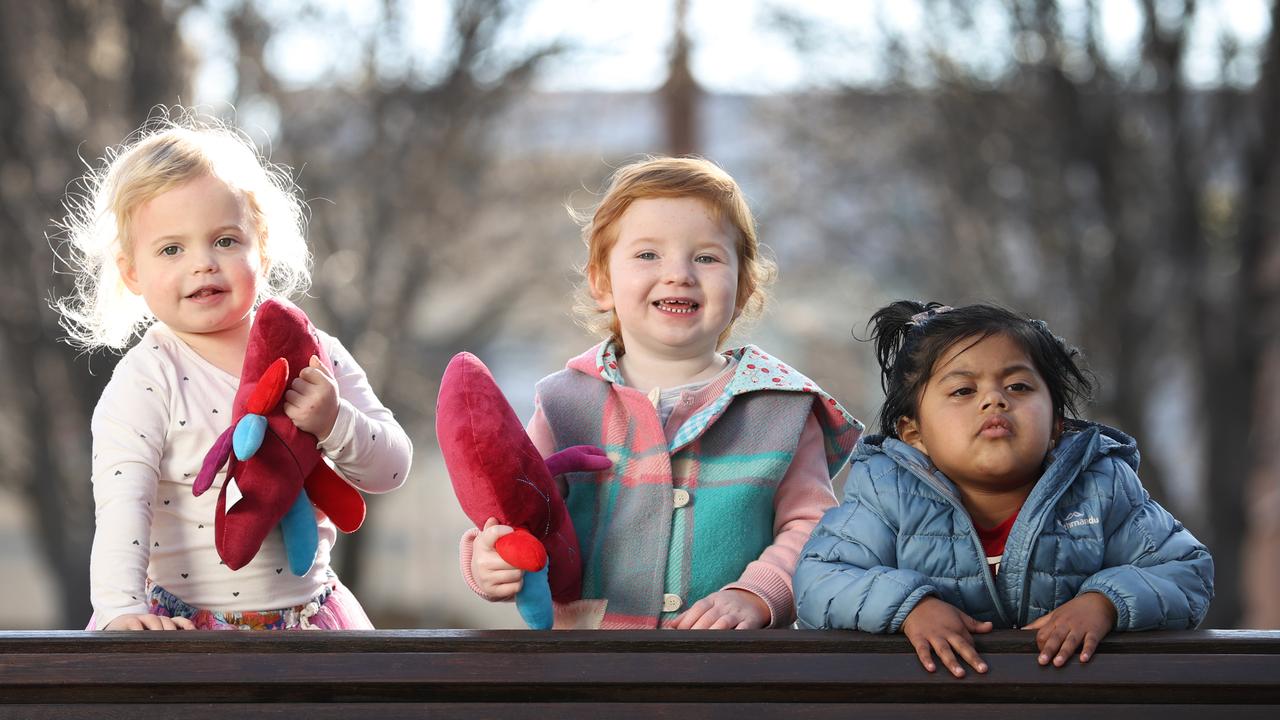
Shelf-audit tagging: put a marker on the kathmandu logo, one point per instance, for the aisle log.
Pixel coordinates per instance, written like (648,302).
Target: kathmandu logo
(1075,518)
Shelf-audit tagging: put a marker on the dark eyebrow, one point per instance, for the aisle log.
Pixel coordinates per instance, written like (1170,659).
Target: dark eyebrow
(1006,372)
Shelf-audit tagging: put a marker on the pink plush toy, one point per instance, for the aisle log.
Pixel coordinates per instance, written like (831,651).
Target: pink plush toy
(497,472)
(276,473)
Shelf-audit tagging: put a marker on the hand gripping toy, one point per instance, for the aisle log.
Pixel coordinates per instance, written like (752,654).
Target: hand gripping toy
(275,472)
(497,472)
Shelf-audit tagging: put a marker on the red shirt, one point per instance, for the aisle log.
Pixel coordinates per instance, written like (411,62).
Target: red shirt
(993,541)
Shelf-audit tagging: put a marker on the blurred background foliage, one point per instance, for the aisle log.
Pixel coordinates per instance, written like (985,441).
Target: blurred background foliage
(1010,151)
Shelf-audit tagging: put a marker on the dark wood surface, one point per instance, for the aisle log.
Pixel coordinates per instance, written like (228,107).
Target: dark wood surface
(512,674)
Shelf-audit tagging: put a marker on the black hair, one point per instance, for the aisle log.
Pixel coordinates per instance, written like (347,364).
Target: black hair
(910,337)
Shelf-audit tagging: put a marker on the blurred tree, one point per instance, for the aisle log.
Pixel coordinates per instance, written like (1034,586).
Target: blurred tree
(73,74)
(680,94)
(1106,194)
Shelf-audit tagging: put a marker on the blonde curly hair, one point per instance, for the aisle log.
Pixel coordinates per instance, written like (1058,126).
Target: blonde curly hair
(172,148)
(670,177)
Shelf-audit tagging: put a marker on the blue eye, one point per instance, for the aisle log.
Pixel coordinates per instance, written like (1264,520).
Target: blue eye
(647,255)
(170,250)
(225,241)
(706,259)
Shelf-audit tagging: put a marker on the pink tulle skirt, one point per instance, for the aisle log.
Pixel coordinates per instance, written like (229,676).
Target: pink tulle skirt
(335,608)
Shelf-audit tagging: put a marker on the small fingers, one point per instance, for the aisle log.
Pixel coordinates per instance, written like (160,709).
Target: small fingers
(725,622)
(129,623)
(710,620)
(1069,645)
(687,619)
(500,585)
(293,398)
(964,646)
(1038,622)
(313,375)
(1090,644)
(491,533)
(942,646)
(495,574)
(975,626)
(184,623)
(925,652)
(1049,639)
(319,366)
(155,622)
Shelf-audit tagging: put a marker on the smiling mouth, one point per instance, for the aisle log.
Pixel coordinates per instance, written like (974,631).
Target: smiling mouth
(679,306)
(204,292)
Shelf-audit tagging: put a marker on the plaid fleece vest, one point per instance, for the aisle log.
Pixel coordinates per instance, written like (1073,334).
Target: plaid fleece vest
(730,457)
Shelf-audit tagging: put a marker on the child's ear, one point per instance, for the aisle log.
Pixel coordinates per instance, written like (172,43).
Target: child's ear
(909,433)
(128,273)
(600,291)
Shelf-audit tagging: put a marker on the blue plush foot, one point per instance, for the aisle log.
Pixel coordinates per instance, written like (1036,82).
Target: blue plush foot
(301,536)
(534,600)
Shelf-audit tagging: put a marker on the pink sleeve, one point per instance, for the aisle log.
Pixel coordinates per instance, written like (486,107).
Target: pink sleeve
(802,497)
(465,549)
(539,431)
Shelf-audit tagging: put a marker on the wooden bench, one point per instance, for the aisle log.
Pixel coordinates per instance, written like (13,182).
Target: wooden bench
(651,674)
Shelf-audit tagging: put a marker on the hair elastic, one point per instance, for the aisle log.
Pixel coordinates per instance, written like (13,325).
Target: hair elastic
(920,318)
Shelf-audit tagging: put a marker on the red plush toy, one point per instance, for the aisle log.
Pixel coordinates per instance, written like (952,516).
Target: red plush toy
(271,460)
(497,472)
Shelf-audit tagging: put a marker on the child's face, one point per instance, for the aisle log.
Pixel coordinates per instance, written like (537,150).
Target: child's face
(195,258)
(985,417)
(672,277)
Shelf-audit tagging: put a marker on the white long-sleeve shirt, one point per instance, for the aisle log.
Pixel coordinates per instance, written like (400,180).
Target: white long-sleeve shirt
(160,413)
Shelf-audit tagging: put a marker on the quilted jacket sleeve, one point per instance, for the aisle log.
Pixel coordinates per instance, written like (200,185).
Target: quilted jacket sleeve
(1157,574)
(847,576)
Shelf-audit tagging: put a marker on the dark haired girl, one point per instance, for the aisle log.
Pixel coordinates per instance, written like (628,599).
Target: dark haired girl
(982,503)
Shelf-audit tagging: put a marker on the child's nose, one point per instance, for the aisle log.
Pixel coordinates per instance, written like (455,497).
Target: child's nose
(203,262)
(679,271)
(994,399)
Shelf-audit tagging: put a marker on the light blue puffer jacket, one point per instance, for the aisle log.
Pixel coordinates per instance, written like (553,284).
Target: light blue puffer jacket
(1088,525)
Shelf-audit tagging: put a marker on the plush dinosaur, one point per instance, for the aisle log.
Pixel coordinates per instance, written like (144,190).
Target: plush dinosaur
(497,472)
(275,473)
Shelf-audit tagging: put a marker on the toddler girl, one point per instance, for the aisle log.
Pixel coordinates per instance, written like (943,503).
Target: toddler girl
(722,459)
(983,505)
(183,231)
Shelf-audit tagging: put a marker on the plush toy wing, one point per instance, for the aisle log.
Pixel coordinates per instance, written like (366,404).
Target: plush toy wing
(275,473)
(497,472)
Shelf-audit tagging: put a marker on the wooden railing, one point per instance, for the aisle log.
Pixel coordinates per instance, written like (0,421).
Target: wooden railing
(651,674)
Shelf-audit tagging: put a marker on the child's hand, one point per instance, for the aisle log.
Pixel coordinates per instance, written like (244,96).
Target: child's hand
(725,610)
(935,625)
(1086,619)
(494,576)
(149,622)
(312,400)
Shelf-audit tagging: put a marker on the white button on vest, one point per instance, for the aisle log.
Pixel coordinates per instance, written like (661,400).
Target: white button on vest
(681,497)
(670,602)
